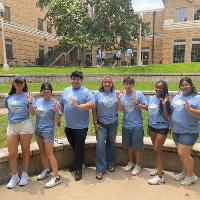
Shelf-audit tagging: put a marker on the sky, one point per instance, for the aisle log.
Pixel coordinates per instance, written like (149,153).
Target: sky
(140,5)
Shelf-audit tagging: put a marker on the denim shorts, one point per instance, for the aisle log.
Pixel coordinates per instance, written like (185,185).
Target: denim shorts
(45,136)
(185,139)
(133,137)
(161,131)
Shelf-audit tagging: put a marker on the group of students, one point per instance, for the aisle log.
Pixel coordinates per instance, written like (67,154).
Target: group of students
(181,115)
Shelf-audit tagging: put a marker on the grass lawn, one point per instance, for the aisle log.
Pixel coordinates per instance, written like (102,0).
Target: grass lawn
(59,131)
(159,68)
(35,87)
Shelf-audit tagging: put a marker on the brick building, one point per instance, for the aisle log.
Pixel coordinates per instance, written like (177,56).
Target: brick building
(175,33)
(30,39)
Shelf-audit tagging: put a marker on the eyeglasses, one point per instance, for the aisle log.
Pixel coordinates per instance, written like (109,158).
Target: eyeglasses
(185,86)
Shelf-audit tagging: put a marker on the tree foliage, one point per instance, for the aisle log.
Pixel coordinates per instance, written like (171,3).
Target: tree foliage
(111,18)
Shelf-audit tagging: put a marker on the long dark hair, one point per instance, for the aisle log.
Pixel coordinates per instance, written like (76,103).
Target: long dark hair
(164,94)
(101,88)
(13,90)
(189,81)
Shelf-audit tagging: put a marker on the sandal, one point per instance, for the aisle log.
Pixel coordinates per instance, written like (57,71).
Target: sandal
(111,169)
(99,175)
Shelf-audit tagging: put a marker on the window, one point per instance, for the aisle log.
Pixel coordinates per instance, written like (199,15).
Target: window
(195,53)
(41,55)
(145,56)
(6,15)
(9,49)
(197,13)
(179,51)
(181,14)
(40,24)
(49,27)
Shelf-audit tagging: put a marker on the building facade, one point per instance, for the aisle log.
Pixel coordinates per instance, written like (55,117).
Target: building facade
(30,38)
(175,33)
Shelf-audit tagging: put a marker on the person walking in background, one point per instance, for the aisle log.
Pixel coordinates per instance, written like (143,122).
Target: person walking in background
(105,118)
(158,127)
(103,57)
(132,104)
(117,57)
(98,57)
(47,113)
(186,127)
(76,101)
(20,130)
(129,53)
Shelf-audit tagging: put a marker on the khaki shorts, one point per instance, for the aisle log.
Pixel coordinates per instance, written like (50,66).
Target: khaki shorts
(24,127)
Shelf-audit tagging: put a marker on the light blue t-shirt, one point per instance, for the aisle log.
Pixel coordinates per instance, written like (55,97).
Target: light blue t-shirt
(129,52)
(132,114)
(106,105)
(74,117)
(17,105)
(44,115)
(183,121)
(155,117)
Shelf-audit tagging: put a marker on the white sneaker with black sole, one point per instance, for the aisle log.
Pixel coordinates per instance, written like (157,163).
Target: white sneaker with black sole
(154,172)
(156,180)
(13,181)
(55,180)
(45,173)
(180,176)
(24,179)
(129,166)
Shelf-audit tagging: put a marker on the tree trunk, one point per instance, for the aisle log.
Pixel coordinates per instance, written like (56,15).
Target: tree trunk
(82,57)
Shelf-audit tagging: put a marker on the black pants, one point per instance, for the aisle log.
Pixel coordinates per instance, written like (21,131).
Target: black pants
(76,138)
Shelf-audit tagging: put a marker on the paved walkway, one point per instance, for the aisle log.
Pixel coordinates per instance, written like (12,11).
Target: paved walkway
(114,186)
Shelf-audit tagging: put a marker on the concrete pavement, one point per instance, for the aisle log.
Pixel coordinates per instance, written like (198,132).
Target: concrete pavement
(114,186)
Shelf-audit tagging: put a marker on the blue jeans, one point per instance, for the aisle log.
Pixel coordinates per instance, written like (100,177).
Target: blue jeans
(105,148)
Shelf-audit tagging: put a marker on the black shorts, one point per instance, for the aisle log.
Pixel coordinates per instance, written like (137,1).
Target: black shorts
(162,131)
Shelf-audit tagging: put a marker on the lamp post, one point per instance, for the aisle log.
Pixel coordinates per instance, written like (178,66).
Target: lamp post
(2,10)
(140,42)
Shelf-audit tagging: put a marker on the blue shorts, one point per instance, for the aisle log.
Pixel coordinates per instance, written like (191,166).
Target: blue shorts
(45,136)
(133,137)
(161,131)
(185,139)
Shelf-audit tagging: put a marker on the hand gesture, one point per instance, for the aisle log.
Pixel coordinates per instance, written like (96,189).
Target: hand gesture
(134,100)
(186,105)
(74,104)
(56,106)
(119,94)
(30,97)
(164,100)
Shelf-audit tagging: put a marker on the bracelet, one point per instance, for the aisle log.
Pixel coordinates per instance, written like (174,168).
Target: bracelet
(95,123)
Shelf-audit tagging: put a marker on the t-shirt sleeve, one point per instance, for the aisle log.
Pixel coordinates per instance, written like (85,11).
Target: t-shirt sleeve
(95,95)
(89,97)
(142,99)
(34,101)
(198,103)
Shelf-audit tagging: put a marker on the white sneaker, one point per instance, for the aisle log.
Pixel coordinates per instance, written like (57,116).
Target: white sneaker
(53,182)
(129,166)
(45,173)
(156,180)
(154,172)
(13,181)
(24,179)
(189,180)
(180,176)
(136,170)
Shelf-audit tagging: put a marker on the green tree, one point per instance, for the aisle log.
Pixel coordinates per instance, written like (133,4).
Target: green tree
(111,18)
